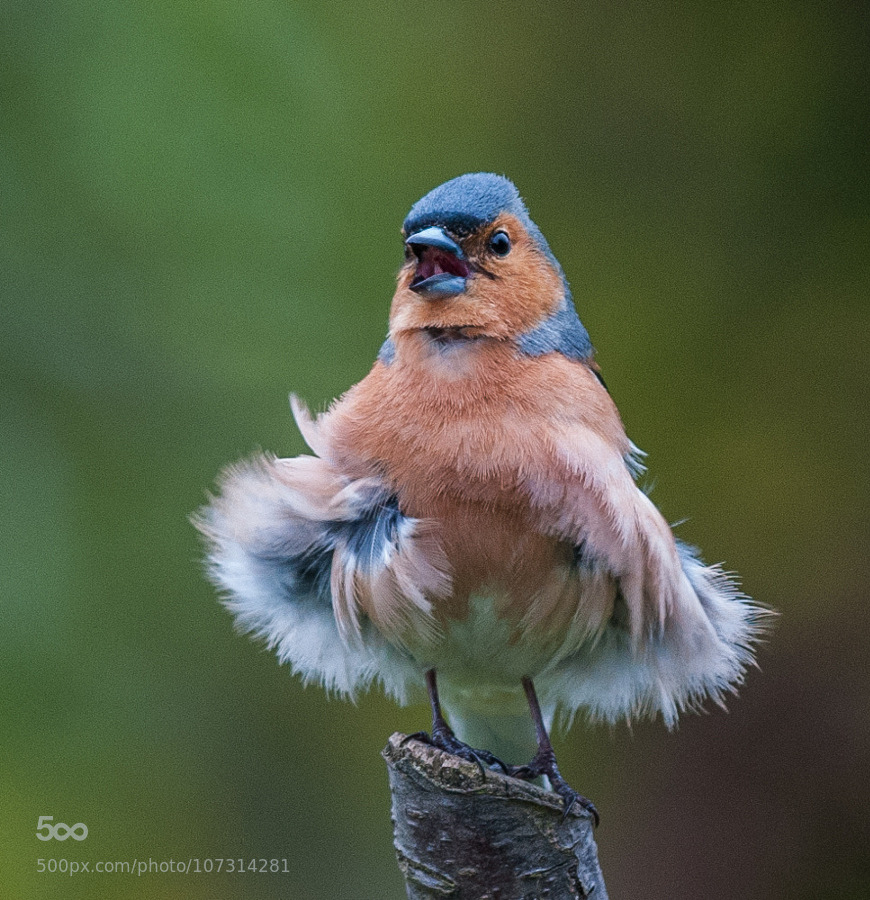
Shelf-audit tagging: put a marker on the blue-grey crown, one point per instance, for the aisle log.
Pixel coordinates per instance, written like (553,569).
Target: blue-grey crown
(464,204)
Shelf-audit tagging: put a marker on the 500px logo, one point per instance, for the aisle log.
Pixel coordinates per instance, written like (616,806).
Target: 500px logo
(60,831)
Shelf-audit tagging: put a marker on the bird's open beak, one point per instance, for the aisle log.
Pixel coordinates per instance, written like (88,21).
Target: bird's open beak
(441,267)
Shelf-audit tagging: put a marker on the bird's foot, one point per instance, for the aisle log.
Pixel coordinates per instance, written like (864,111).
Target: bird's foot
(544,763)
(443,738)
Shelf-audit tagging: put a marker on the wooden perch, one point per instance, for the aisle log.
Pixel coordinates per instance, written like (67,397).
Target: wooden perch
(465,834)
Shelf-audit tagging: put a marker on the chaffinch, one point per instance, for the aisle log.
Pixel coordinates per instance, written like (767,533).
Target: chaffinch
(471,511)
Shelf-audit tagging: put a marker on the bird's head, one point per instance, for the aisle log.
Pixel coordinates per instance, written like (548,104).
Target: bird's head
(476,266)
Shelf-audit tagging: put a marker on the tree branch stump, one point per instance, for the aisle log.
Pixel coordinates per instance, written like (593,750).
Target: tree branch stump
(469,835)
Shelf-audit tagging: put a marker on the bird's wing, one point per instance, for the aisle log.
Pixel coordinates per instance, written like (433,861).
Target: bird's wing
(654,629)
(309,559)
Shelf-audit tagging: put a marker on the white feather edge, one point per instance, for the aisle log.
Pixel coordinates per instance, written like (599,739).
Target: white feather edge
(304,635)
(308,427)
(674,672)
(611,677)
(254,508)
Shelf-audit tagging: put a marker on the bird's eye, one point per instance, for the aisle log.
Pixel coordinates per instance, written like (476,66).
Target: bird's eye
(500,243)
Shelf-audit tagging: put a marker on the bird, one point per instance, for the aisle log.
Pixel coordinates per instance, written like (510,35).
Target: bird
(469,523)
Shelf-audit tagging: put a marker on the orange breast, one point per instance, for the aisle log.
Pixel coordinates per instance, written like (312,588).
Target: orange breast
(459,433)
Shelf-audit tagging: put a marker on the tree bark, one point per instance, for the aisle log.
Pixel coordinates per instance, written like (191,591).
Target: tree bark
(469,835)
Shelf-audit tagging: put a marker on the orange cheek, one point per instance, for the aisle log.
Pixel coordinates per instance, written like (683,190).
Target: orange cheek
(525,290)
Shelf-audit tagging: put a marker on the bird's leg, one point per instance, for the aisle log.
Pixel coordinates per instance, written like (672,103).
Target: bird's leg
(443,737)
(544,761)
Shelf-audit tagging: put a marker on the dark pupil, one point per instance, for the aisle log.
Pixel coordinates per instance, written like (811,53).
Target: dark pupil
(500,243)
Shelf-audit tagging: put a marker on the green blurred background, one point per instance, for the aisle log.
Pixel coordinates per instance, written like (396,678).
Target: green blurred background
(200,207)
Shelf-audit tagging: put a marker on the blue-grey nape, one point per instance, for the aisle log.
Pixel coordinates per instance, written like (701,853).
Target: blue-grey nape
(387,353)
(561,332)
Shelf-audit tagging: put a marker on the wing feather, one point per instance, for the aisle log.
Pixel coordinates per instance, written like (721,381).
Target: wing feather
(654,629)
(325,568)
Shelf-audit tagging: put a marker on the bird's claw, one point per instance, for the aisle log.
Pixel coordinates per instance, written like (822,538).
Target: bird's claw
(544,763)
(570,797)
(444,739)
